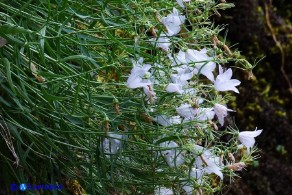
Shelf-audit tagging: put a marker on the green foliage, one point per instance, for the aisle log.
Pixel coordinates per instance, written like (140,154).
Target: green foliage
(62,85)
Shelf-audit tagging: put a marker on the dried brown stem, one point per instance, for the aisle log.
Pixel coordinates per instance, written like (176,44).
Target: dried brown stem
(278,44)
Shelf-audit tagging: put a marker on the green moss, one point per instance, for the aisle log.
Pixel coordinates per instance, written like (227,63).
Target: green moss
(280,113)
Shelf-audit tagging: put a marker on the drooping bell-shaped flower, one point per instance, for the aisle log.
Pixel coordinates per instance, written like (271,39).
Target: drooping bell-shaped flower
(204,114)
(179,59)
(187,111)
(247,138)
(190,113)
(207,161)
(203,63)
(172,22)
(178,82)
(209,165)
(224,82)
(221,112)
(172,156)
(167,121)
(174,87)
(139,77)
(162,42)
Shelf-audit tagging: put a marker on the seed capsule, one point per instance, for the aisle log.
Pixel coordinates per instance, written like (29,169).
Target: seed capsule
(231,157)
(236,166)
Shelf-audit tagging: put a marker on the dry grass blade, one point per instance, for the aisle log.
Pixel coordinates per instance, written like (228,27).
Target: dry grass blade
(4,131)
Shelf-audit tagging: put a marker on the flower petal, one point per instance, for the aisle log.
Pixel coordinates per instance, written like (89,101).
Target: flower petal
(186,110)
(251,133)
(247,141)
(247,137)
(167,121)
(163,191)
(174,87)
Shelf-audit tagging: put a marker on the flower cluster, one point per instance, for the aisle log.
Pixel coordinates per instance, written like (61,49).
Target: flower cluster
(194,78)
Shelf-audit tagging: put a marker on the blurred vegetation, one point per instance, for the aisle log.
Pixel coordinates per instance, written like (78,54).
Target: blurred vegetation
(263,29)
(63,67)
(59,69)
(62,93)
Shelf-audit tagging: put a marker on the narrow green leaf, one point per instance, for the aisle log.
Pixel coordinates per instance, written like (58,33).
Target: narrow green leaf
(9,29)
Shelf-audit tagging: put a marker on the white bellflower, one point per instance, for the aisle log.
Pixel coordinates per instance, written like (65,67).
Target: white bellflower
(173,21)
(221,112)
(224,82)
(247,138)
(139,76)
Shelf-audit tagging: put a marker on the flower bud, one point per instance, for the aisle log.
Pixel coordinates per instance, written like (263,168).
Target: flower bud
(236,166)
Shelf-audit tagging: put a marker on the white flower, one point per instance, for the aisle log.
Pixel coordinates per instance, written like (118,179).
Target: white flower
(204,114)
(172,156)
(112,144)
(167,121)
(197,174)
(181,4)
(186,111)
(174,87)
(162,42)
(247,138)
(209,165)
(206,161)
(183,73)
(190,113)
(224,82)
(203,63)
(172,22)
(188,189)
(179,80)
(221,112)
(179,59)
(200,114)
(139,73)
(163,191)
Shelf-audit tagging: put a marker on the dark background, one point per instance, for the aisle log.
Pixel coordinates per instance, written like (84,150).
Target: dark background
(263,28)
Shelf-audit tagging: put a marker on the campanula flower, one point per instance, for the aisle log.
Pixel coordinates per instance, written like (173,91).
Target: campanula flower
(172,156)
(162,42)
(186,111)
(178,81)
(224,82)
(247,138)
(221,112)
(179,59)
(139,77)
(207,161)
(172,22)
(204,114)
(203,63)
(167,121)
